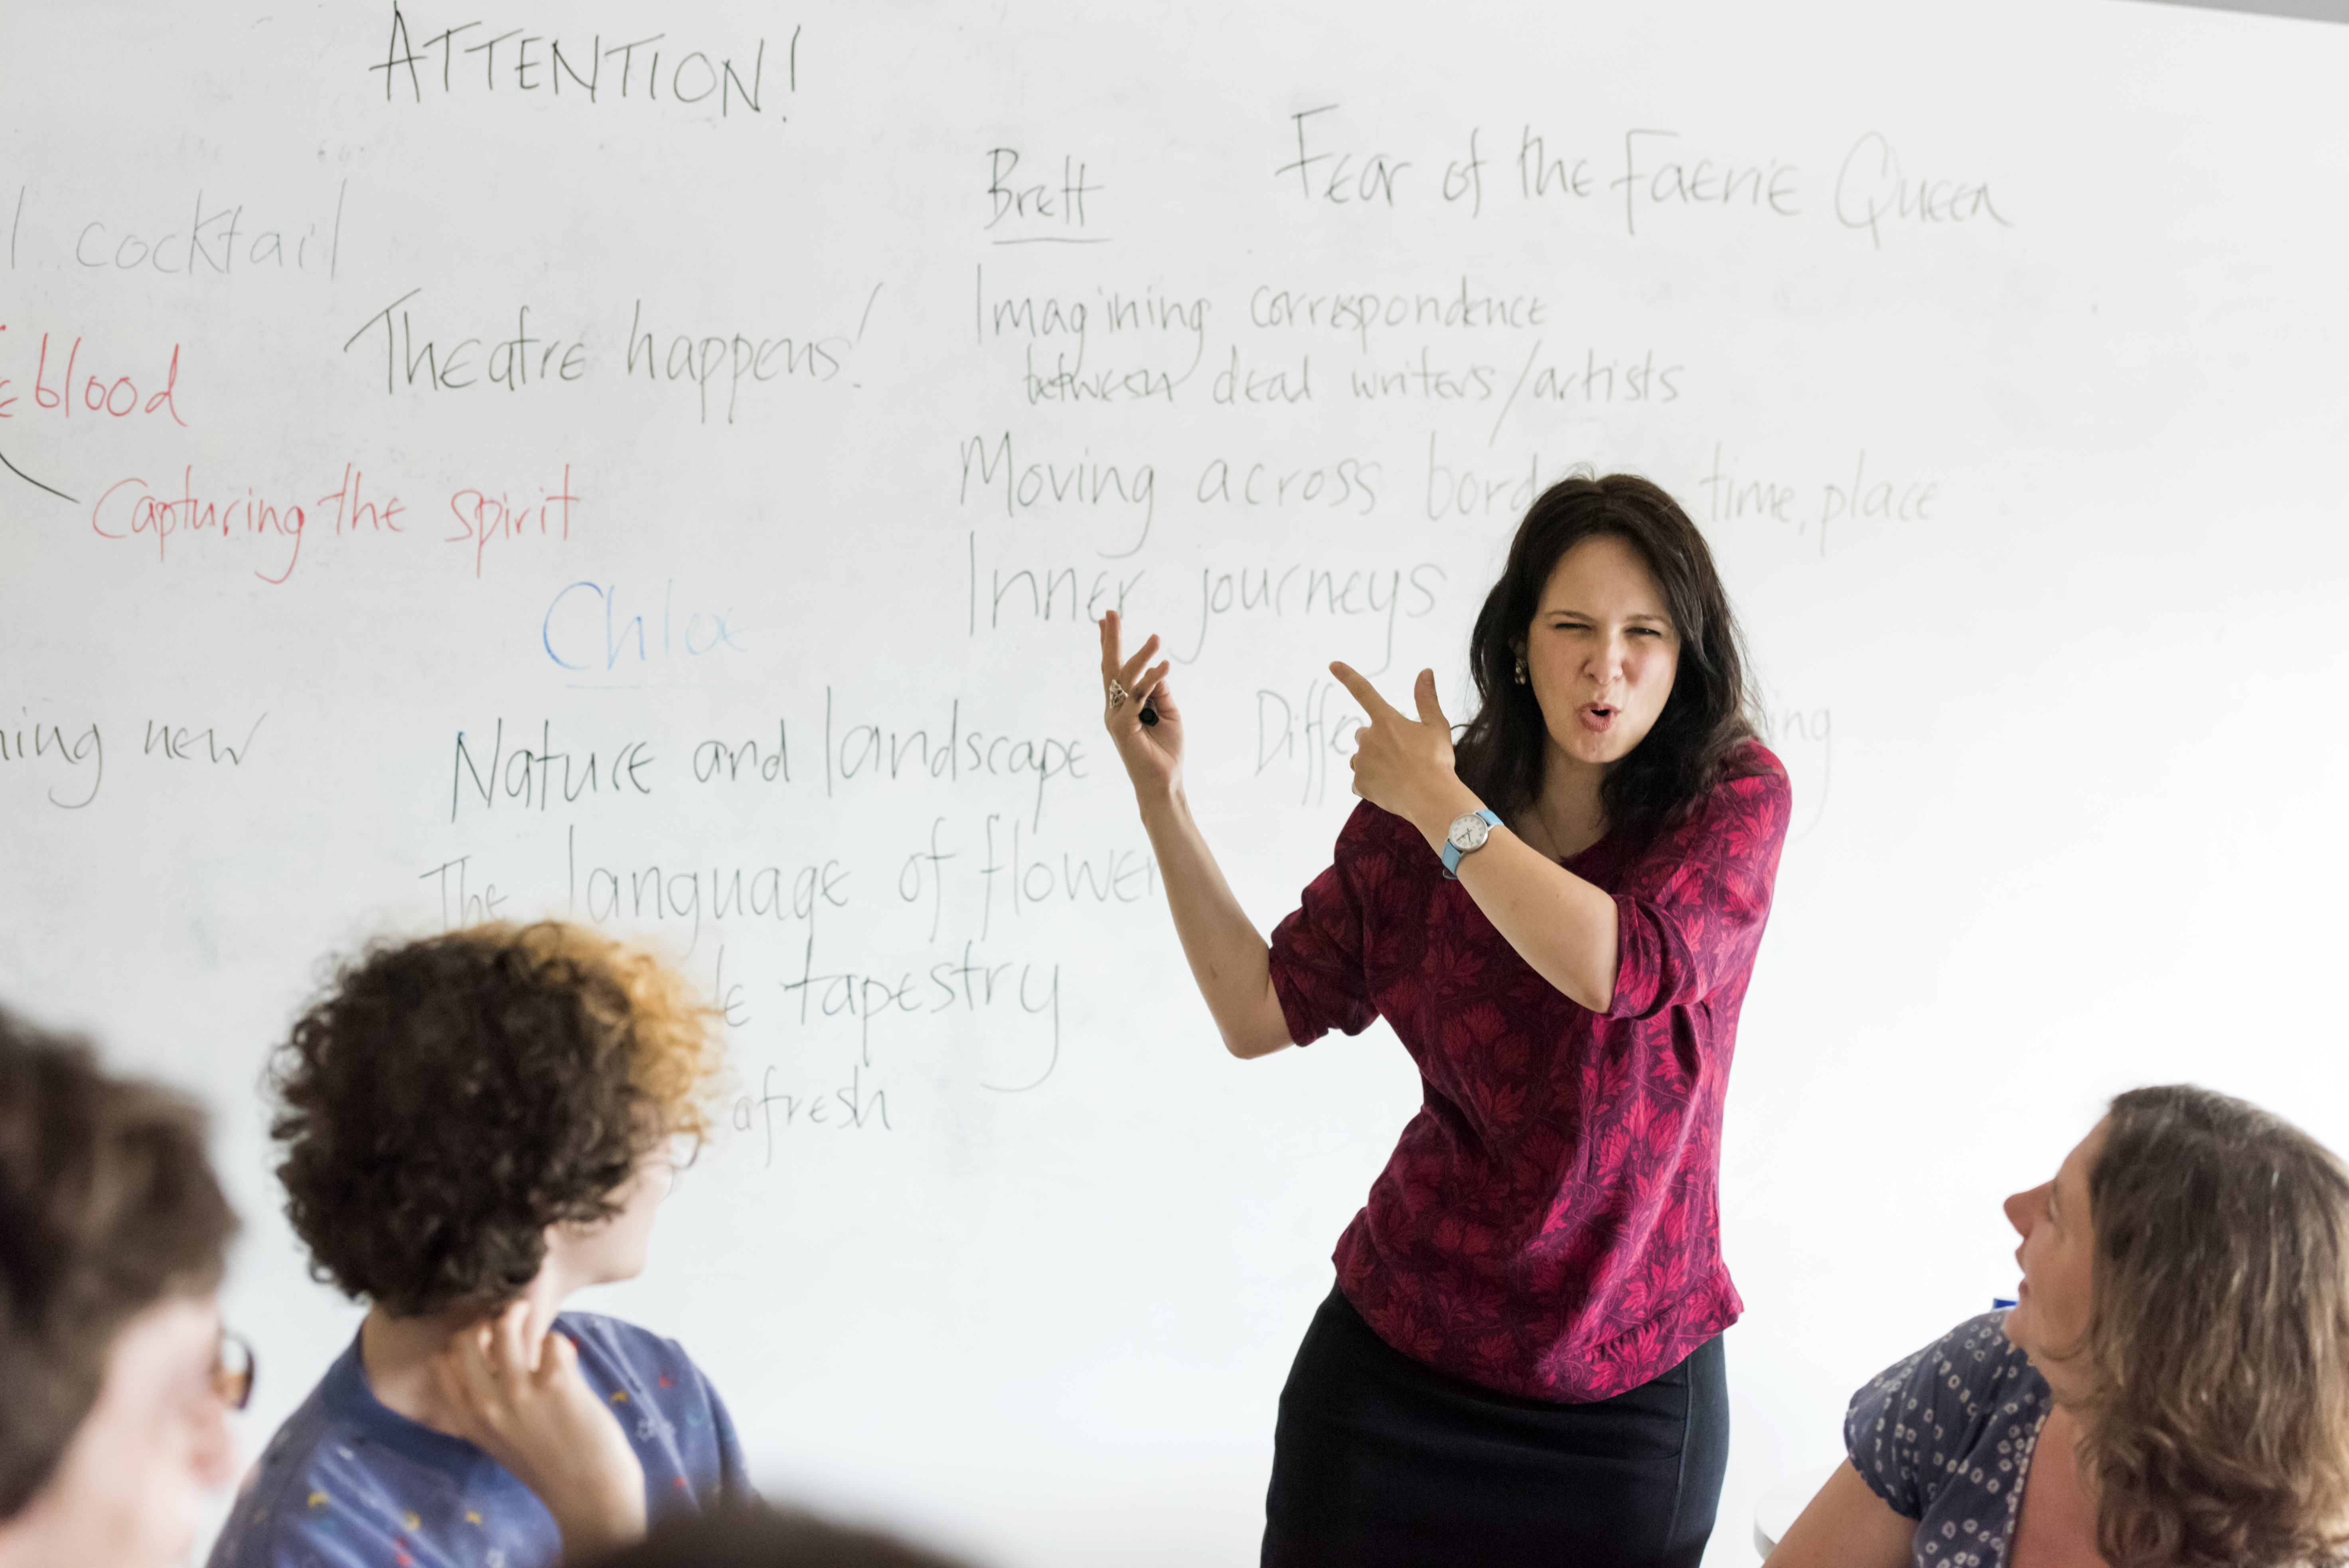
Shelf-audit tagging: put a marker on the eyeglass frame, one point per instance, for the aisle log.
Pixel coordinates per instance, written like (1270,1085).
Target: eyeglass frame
(234,1370)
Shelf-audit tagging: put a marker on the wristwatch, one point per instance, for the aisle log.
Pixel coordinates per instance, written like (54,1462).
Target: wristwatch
(1466,836)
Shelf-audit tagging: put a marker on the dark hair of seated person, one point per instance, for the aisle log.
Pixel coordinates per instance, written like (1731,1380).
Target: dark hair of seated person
(108,1206)
(444,1101)
(761,1537)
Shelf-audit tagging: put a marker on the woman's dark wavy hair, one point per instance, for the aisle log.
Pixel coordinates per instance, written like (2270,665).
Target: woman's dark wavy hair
(2217,1427)
(108,1206)
(1706,719)
(443,1102)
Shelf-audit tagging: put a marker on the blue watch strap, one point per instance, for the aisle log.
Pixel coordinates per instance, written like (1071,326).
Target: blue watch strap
(1452,850)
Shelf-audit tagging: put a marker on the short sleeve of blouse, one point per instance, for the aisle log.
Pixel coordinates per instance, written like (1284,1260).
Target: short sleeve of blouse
(1918,1423)
(1317,950)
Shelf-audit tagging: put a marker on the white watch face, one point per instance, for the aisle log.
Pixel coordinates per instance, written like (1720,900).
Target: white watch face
(1468,833)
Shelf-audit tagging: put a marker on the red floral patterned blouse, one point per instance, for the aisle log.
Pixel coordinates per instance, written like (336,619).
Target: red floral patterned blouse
(1549,1224)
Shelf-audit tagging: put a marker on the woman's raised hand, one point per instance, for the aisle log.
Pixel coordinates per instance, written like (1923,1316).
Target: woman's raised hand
(1401,766)
(1152,754)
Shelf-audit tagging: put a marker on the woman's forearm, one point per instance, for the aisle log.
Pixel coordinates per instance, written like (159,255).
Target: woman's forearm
(1564,928)
(1846,1525)
(1228,957)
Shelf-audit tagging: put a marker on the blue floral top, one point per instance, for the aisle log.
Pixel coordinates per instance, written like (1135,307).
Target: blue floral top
(1945,1438)
(348,1482)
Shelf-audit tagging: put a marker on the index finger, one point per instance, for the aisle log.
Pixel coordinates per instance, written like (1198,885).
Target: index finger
(1111,641)
(1376,706)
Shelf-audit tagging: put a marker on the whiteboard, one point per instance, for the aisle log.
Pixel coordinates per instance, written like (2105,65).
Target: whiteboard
(711,428)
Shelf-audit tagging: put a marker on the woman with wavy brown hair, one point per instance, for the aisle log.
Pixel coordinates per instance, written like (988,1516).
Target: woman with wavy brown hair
(2170,1390)
(474,1127)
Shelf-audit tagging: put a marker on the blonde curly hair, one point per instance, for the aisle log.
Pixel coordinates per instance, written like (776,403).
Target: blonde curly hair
(444,1101)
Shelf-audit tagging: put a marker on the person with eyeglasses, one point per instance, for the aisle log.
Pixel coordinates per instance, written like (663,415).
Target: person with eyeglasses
(114,1235)
(474,1126)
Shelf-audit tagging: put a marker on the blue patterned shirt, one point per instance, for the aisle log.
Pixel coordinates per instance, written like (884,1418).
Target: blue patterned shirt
(1945,1438)
(350,1483)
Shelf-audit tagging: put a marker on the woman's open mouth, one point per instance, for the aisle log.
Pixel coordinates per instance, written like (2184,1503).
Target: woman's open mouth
(1598,717)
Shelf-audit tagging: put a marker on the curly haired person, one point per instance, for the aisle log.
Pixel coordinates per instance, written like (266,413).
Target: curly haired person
(474,1127)
(113,1235)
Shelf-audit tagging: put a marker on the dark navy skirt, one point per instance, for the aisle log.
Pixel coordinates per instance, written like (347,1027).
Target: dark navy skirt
(1379,1459)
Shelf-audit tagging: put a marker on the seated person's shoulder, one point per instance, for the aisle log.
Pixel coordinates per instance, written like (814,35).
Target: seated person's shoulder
(663,1401)
(1912,1426)
(312,1498)
(336,1490)
(1973,1358)
(614,1346)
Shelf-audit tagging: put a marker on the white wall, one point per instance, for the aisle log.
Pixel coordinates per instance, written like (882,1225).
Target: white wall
(2059,690)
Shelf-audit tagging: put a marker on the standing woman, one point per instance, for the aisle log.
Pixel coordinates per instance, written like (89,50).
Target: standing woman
(1521,1362)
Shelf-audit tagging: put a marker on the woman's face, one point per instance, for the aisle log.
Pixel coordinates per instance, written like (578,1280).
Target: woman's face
(1601,652)
(2049,1320)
